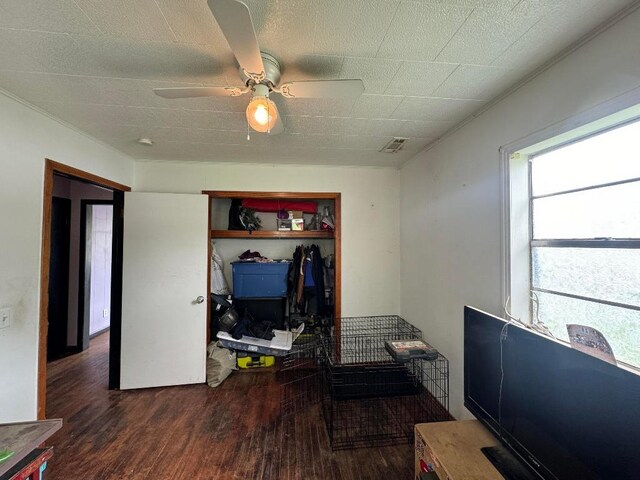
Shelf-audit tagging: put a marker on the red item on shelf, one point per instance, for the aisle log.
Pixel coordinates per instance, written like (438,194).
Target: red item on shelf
(261,205)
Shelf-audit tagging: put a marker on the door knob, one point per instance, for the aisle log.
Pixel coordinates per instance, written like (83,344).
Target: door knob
(200,299)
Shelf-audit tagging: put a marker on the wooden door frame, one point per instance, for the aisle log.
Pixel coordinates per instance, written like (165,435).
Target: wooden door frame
(50,168)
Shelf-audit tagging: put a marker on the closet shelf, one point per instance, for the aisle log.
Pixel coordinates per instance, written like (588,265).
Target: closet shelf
(257,234)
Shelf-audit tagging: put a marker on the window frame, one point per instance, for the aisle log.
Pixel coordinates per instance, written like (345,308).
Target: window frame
(516,202)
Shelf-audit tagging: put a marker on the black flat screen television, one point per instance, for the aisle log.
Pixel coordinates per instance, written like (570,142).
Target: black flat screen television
(563,413)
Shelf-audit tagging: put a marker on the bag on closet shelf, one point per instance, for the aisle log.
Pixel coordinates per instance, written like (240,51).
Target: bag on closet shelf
(220,363)
(218,283)
(242,218)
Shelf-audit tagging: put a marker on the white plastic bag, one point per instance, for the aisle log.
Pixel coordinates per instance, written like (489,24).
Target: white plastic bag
(218,283)
(220,363)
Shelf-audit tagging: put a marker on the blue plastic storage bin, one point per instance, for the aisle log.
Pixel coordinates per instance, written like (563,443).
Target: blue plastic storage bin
(253,279)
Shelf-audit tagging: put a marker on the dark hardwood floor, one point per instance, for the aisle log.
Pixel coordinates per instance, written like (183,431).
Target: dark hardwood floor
(194,432)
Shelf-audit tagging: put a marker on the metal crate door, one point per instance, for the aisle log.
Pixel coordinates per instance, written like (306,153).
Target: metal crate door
(299,375)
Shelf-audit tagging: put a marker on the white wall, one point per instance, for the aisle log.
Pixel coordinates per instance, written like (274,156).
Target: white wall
(26,138)
(450,194)
(370,216)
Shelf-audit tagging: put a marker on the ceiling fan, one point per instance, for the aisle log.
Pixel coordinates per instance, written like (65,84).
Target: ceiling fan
(260,73)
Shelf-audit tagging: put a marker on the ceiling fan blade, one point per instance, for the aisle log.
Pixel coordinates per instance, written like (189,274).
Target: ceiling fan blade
(189,92)
(278,127)
(322,89)
(235,22)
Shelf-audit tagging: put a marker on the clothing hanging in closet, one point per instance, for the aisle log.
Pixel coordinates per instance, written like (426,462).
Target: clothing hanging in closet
(308,281)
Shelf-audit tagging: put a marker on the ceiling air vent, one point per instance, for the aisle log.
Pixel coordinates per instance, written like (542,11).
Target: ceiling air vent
(394,145)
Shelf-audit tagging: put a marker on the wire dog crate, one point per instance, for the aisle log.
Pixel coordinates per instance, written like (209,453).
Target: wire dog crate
(299,374)
(368,399)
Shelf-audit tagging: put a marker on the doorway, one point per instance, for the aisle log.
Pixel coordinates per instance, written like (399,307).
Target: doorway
(96,255)
(81,277)
(58,309)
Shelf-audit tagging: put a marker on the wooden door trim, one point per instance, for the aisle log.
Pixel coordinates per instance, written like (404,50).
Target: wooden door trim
(66,170)
(337,248)
(50,168)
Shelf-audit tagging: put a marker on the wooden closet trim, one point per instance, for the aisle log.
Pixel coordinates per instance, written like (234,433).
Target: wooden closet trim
(286,195)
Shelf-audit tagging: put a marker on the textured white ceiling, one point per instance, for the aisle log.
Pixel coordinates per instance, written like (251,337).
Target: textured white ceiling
(426,65)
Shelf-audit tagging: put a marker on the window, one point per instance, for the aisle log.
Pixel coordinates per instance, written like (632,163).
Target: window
(584,237)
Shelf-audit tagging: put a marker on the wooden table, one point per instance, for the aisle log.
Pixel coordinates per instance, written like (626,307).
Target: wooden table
(23,438)
(452,451)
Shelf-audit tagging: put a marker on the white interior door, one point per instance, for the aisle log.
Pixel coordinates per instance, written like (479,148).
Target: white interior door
(164,272)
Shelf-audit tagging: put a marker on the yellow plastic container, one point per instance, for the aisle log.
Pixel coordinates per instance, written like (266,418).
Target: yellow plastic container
(246,360)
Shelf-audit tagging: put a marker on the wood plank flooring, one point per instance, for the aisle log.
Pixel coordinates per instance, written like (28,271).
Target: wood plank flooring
(194,432)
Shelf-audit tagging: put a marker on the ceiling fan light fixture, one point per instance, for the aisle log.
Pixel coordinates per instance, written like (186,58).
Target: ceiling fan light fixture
(262,114)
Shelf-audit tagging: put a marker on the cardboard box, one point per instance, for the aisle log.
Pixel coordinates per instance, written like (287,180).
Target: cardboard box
(284,225)
(295,214)
(297,224)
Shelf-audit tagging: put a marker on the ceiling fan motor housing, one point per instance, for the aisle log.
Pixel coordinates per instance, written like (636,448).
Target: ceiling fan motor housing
(260,91)
(271,72)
